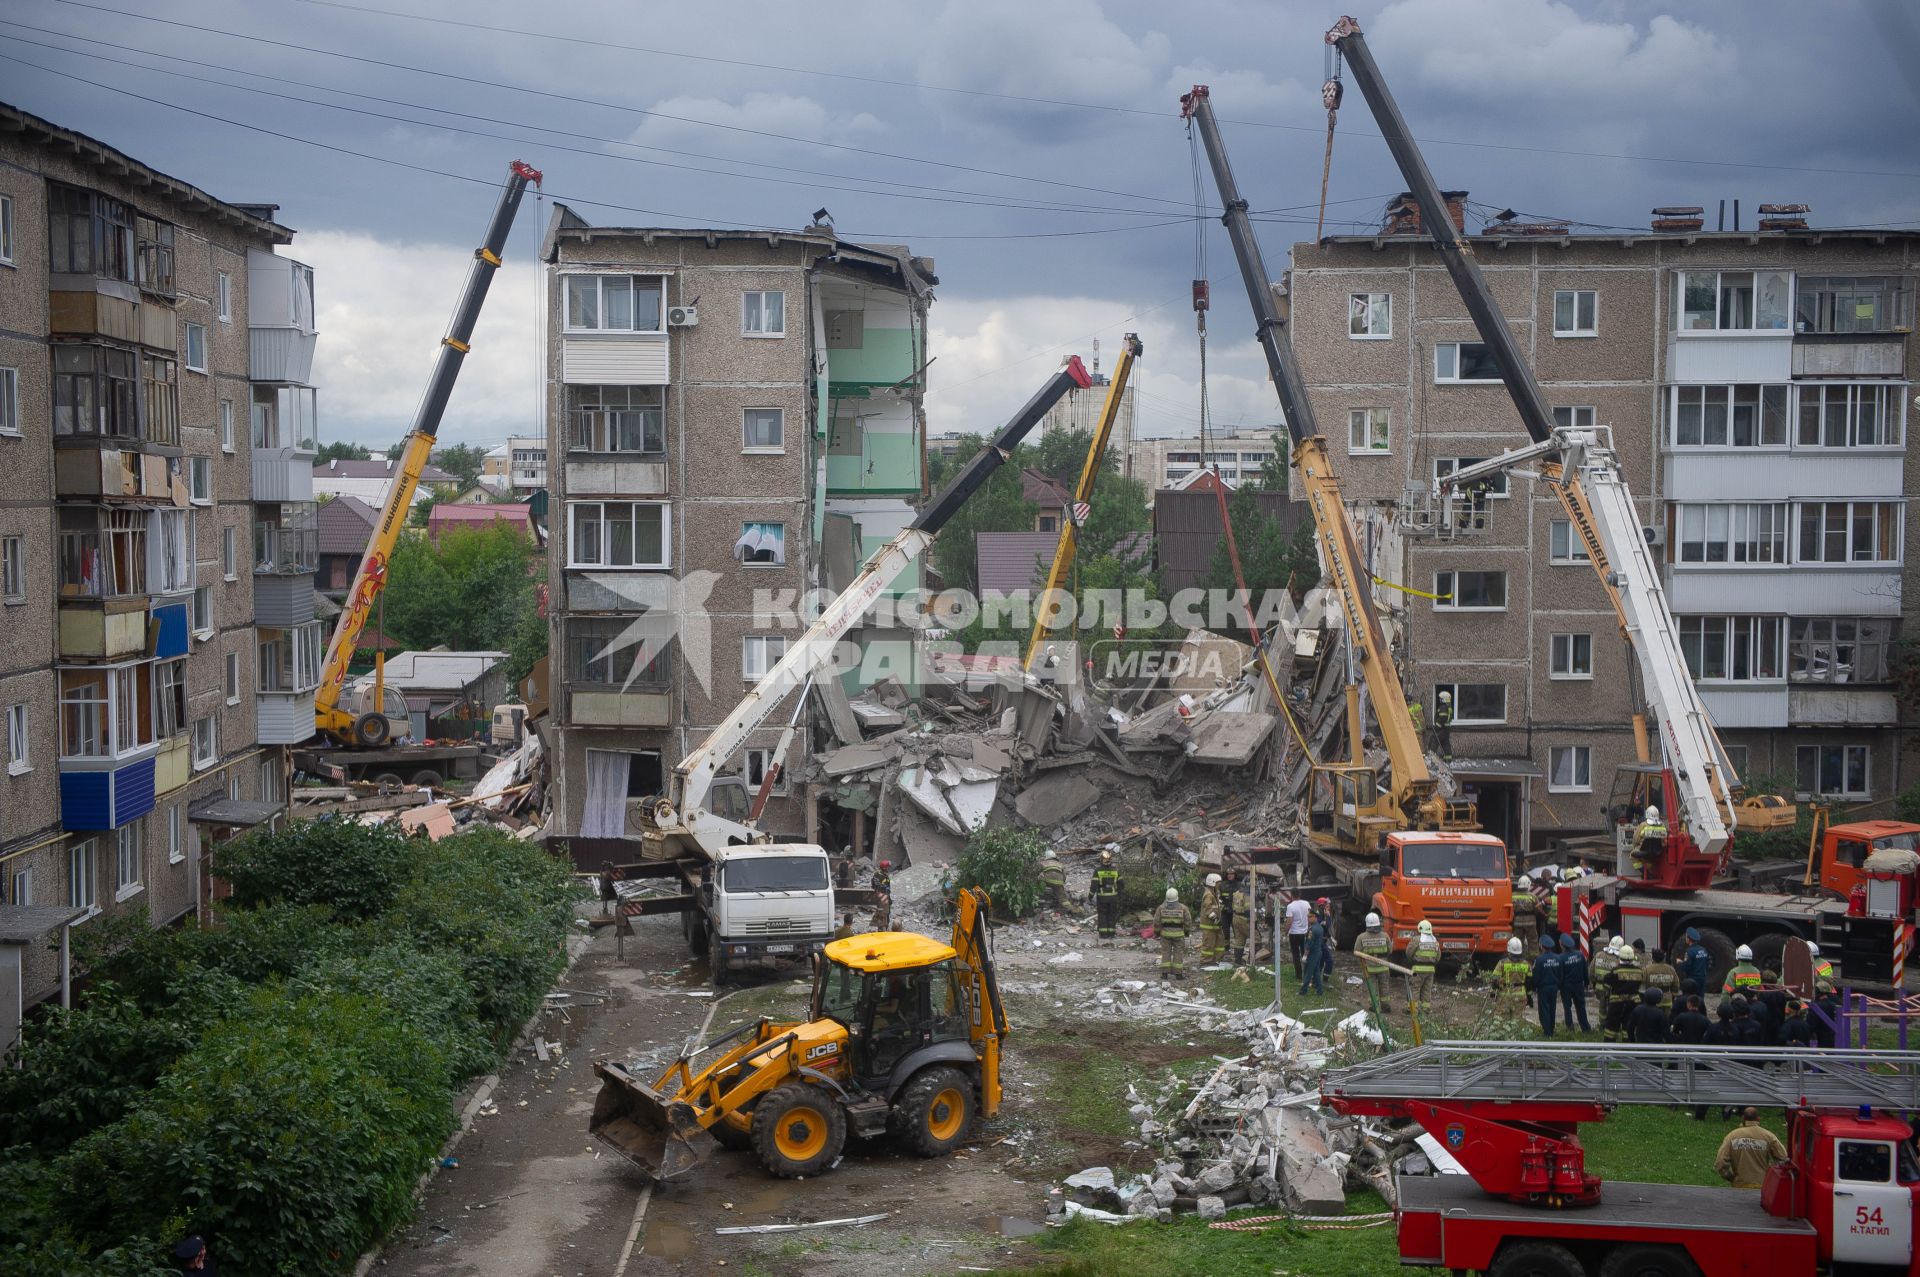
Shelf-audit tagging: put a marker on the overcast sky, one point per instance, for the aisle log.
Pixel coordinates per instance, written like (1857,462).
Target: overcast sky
(1032,147)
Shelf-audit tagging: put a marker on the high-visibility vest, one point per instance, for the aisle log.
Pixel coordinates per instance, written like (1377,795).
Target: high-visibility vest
(1374,942)
(1053,873)
(1512,973)
(1425,953)
(1744,978)
(1106,882)
(1210,908)
(1173,920)
(1822,969)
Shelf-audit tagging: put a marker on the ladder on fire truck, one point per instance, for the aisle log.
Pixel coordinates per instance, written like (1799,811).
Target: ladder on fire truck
(1598,1073)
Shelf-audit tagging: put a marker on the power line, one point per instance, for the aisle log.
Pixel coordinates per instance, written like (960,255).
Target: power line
(1082,106)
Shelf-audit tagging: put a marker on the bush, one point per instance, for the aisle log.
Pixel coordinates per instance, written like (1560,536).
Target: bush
(1005,863)
(1907,806)
(354,870)
(75,1071)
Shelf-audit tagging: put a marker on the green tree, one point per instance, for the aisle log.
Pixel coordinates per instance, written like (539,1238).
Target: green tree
(1061,454)
(526,646)
(1276,469)
(342,450)
(489,566)
(998,506)
(462,460)
(420,605)
(423,507)
(1269,557)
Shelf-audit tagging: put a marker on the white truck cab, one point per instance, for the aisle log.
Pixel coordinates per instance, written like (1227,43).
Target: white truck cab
(766,903)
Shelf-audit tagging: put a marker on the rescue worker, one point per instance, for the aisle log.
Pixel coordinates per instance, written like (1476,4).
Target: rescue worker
(947,902)
(1324,907)
(1423,958)
(1546,983)
(1795,1033)
(1770,1007)
(845,928)
(1822,967)
(1605,959)
(1662,975)
(1443,725)
(1053,876)
(1171,923)
(1526,912)
(1623,991)
(1241,901)
(1573,984)
(1513,977)
(1744,977)
(1373,943)
(843,870)
(1689,1024)
(883,896)
(1826,1016)
(1695,961)
(1418,713)
(1210,908)
(1106,895)
(1748,1151)
(1647,1022)
(1649,840)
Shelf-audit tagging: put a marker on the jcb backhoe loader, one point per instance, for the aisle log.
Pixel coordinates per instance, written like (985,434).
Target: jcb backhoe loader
(904,1034)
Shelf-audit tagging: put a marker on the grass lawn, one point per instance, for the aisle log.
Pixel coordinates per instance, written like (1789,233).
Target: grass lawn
(1191,1248)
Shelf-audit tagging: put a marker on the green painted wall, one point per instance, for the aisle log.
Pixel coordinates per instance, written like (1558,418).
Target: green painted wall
(885,356)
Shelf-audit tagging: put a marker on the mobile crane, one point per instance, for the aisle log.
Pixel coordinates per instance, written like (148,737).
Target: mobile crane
(371,727)
(1528,1207)
(1400,848)
(744,900)
(1649,897)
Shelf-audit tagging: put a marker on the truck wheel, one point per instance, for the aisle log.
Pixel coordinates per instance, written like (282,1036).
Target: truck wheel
(933,1113)
(798,1130)
(372,730)
(716,962)
(427,778)
(694,927)
(1769,951)
(1648,1261)
(389,782)
(729,1136)
(1719,949)
(1535,1259)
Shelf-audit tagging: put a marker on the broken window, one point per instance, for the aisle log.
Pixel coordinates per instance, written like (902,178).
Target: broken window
(155,255)
(1475,702)
(96,391)
(763,543)
(1469,590)
(1853,304)
(617,419)
(88,233)
(1735,300)
(1369,315)
(614,652)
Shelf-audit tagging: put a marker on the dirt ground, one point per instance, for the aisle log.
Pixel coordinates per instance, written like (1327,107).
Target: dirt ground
(533,1194)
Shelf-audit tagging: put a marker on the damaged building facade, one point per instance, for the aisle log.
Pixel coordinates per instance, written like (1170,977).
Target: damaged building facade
(1757,386)
(732,416)
(156,441)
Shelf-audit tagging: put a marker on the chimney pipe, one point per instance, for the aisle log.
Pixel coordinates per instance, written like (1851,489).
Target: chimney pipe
(1723,216)
(1736,215)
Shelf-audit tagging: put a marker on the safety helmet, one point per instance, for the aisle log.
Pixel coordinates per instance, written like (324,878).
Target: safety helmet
(1322,903)
(1373,922)
(1213,880)
(1813,950)
(1653,814)
(1173,895)
(1426,928)
(1524,880)
(1106,854)
(1446,696)
(1569,873)
(1616,945)
(1743,954)
(1514,946)
(1048,854)
(886,864)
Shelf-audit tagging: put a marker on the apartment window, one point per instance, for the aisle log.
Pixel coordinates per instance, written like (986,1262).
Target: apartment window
(270,781)
(226,425)
(1737,756)
(232,682)
(1849,532)
(96,391)
(1493,485)
(196,347)
(6,229)
(617,419)
(614,303)
(760,653)
(172,541)
(230,554)
(9,401)
(618,534)
(763,314)
(170,697)
(19,741)
(206,743)
(1743,416)
(1732,300)
(1470,591)
(23,885)
(762,543)
(1732,649)
(1572,656)
(1569,769)
(1835,771)
(288,660)
(1574,311)
(1369,315)
(127,860)
(13,569)
(160,400)
(1829,649)
(1749,532)
(88,234)
(1369,430)
(765,430)
(1853,304)
(176,835)
(154,254)
(759,762)
(102,553)
(1456,361)
(203,611)
(608,652)
(105,712)
(1847,416)
(200,480)
(223,296)
(82,869)
(1574,416)
(1564,544)
(1475,704)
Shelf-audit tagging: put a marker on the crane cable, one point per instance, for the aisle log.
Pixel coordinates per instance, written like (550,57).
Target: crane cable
(1330,93)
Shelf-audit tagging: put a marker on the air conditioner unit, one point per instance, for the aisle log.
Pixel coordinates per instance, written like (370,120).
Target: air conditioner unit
(682,316)
(1655,534)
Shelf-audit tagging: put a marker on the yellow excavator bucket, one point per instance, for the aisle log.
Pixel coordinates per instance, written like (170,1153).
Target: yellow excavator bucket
(662,1137)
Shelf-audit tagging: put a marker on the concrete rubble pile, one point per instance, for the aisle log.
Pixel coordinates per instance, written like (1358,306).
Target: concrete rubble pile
(510,795)
(1250,1134)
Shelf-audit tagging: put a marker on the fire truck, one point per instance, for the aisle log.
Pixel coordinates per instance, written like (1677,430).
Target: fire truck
(1527,1206)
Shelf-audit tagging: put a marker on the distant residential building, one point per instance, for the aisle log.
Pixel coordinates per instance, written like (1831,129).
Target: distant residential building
(1163,463)
(343,526)
(1009,562)
(372,480)
(1080,408)
(1187,528)
(445,515)
(1051,500)
(521,461)
(478,494)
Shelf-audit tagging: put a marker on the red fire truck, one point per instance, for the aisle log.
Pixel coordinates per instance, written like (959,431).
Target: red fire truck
(1844,1200)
